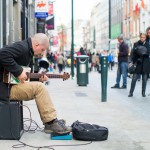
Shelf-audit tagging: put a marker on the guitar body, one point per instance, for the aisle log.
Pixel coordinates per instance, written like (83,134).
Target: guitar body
(11,79)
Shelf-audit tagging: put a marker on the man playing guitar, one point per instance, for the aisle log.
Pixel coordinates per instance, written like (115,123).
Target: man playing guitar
(12,58)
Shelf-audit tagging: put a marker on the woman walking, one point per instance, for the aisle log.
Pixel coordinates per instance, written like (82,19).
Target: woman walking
(140,57)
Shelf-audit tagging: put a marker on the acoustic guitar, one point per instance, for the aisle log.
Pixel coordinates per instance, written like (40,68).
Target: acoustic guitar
(11,79)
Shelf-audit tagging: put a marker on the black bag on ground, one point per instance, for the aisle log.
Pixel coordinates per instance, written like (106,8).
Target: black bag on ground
(89,132)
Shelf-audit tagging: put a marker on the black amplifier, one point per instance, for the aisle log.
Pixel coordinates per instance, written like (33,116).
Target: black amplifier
(11,120)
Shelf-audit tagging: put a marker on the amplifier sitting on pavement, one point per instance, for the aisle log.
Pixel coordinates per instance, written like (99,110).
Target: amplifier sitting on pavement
(11,120)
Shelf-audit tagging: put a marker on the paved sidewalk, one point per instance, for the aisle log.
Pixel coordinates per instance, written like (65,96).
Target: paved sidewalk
(128,119)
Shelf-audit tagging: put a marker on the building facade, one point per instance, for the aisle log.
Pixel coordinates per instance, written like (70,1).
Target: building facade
(103,25)
(62,34)
(116,18)
(81,35)
(131,21)
(18,20)
(135,19)
(99,26)
(144,15)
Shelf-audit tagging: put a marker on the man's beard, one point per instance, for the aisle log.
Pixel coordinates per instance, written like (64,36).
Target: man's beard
(39,56)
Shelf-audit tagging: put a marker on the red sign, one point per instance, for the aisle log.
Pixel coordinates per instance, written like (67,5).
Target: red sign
(41,4)
(50,9)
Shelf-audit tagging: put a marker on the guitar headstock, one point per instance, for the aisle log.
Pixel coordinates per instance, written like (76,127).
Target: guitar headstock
(65,76)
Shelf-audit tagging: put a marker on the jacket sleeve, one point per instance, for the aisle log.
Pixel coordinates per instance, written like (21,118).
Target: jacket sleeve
(125,50)
(148,49)
(133,50)
(133,54)
(7,60)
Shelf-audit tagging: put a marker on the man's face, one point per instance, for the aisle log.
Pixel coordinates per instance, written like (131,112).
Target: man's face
(120,40)
(143,38)
(40,49)
(148,33)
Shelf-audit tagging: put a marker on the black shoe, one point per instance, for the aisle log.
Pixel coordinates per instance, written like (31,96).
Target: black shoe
(57,127)
(123,87)
(115,86)
(143,94)
(130,95)
(62,121)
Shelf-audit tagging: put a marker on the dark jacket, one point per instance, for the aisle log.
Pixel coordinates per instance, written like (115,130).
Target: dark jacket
(123,52)
(12,57)
(82,51)
(142,62)
(148,39)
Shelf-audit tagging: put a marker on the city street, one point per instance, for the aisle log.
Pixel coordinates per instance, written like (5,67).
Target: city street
(126,118)
(48,35)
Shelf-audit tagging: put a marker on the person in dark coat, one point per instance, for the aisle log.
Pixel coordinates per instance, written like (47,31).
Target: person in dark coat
(12,59)
(148,35)
(140,56)
(82,51)
(148,40)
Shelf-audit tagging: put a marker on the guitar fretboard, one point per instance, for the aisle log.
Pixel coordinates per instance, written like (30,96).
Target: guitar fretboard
(38,75)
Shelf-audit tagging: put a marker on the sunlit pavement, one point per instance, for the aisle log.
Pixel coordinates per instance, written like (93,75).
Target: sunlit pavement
(128,119)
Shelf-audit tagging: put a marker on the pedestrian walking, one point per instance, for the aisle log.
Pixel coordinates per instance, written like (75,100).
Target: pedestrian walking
(93,65)
(90,61)
(148,35)
(110,60)
(82,51)
(50,56)
(60,62)
(122,64)
(148,40)
(140,57)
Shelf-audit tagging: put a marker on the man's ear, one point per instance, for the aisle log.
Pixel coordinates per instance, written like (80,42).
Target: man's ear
(36,44)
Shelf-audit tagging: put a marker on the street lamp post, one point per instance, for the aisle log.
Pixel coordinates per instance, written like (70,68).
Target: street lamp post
(109,23)
(72,43)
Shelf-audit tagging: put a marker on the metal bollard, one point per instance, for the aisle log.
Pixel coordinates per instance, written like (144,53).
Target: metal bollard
(104,74)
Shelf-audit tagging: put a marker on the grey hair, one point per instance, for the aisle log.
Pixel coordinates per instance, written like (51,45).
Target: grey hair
(148,28)
(120,37)
(40,38)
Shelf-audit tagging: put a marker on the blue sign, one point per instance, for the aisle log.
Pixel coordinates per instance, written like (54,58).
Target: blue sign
(41,14)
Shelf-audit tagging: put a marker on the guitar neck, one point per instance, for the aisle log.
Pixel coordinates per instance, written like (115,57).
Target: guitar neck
(38,75)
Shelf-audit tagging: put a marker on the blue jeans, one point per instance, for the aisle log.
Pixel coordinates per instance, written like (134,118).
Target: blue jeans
(122,70)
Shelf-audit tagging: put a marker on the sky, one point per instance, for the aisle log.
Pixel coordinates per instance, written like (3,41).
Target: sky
(82,10)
